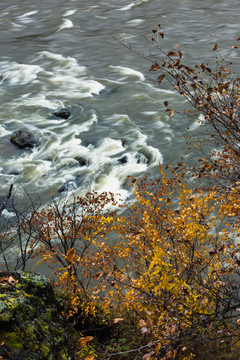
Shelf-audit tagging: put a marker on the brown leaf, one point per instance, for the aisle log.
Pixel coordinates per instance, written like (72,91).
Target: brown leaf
(165,103)
(181,164)
(161,34)
(215,46)
(234,47)
(176,62)
(115,321)
(154,67)
(172,53)
(70,255)
(160,79)
(238,38)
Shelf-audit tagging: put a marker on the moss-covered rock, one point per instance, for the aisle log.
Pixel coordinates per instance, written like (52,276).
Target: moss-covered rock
(31,327)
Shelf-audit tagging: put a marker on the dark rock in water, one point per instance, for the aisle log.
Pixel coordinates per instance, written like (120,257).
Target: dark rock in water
(66,187)
(30,324)
(81,161)
(24,139)
(143,158)
(63,113)
(1,77)
(123,160)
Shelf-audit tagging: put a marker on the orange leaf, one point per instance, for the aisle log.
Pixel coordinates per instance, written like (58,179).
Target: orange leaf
(117,320)
(70,255)
(11,280)
(85,340)
(89,357)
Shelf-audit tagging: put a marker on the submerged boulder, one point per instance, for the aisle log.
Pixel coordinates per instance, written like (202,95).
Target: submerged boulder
(82,161)
(123,160)
(24,139)
(30,323)
(62,113)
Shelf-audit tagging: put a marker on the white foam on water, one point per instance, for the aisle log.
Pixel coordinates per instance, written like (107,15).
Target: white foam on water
(149,113)
(69,12)
(16,26)
(7,214)
(86,126)
(21,73)
(133,5)
(127,72)
(3,131)
(68,61)
(27,17)
(197,123)
(67,77)
(135,22)
(127,7)
(30,13)
(156,88)
(66,24)
(111,183)
(75,88)
(42,101)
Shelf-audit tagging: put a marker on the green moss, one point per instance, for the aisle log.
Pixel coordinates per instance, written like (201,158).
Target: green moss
(29,321)
(12,340)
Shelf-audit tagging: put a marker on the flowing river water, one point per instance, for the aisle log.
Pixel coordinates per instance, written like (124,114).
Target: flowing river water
(56,54)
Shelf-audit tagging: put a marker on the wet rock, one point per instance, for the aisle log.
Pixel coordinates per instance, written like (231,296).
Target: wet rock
(81,161)
(67,186)
(62,113)
(24,139)
(143,158)
(30,325)
(123,160)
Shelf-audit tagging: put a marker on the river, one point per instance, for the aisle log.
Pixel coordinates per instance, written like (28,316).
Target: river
(56,54)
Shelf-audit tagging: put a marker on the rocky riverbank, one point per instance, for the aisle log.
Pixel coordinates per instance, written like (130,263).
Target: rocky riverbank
(31,327)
